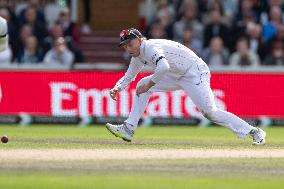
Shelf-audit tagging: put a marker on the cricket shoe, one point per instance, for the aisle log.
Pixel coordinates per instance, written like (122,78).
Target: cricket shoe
(258,136)
(121,131)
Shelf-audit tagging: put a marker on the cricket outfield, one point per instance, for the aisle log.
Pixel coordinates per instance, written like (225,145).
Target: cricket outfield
(159,157)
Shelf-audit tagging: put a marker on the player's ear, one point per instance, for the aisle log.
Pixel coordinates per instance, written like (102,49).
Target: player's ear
(140,40)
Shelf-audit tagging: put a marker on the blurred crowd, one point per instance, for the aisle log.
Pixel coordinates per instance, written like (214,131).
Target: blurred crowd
(222,32)
(33,41)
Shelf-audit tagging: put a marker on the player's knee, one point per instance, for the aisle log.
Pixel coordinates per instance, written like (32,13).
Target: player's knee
(211,114)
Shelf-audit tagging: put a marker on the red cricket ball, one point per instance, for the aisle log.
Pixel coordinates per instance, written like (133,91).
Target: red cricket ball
(4,139)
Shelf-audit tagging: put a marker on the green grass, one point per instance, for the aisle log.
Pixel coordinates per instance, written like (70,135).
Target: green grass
(153,137)
(220,173)
(75,181)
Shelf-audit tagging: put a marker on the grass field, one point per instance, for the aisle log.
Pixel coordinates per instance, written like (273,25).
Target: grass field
(159,157)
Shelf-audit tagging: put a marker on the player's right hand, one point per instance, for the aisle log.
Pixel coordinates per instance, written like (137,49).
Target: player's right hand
(113,93)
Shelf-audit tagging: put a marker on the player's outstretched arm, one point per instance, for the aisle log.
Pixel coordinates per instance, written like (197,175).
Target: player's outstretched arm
(134,68)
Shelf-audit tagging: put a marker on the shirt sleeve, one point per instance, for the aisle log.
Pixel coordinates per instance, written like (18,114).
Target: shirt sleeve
(134,68)
(158,58)
(161,69)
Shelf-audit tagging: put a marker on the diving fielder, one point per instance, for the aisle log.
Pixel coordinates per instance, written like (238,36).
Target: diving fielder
(176,67)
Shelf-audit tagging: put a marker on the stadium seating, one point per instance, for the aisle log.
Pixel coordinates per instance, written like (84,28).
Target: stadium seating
(101,47)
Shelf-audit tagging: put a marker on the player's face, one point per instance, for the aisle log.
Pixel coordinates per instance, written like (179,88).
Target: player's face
(133,47)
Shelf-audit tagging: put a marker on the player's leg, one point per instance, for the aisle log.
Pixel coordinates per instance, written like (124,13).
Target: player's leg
(140,103)
(198,88)
(126,130)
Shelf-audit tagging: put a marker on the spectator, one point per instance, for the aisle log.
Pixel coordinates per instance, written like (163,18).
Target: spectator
(157,31)
(216,54)
(216,28)
(271,28)
(164,6)
(26,31)
(59,55)
(266,5)
(189,18)
(165,19)
(277,55)
(202,6)
(244,57)
(191,42)
(256,44)
(217,5)
(238,30)
(70,28)
(34,4)
(230,8)
(10,7)
(56,31)
(31,53)
(246,8)
(39,29)
(243,17)
(178,4)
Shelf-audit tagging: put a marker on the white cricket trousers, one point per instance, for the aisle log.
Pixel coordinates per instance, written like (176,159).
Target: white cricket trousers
(196,84)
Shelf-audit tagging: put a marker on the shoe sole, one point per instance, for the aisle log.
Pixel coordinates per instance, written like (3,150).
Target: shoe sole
(125,139)
(258,144)
(262,142)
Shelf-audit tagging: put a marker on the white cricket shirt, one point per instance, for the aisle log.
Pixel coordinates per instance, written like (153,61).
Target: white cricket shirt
(165,56)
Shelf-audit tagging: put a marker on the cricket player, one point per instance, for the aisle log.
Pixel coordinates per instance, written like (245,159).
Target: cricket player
(176,68)
(3,34)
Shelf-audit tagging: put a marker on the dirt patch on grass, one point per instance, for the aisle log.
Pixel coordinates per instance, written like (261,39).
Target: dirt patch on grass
(134,154)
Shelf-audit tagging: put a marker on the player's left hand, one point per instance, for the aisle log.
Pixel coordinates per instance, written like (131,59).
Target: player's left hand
(142,89)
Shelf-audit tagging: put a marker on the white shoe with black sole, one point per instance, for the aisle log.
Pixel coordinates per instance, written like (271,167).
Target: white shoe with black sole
(258,136)
(121,131)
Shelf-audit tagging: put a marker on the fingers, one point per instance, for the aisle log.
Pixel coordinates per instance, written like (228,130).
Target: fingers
(113,93)
(137,91)
(113,97)
(140,90)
